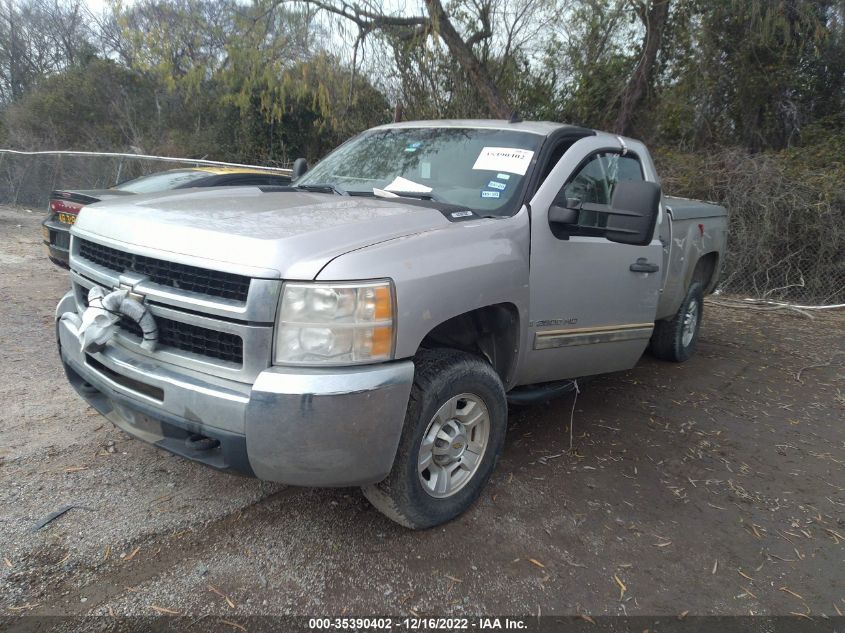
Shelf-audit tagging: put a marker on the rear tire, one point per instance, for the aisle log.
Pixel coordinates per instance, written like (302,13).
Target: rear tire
(453,434)
(675,339)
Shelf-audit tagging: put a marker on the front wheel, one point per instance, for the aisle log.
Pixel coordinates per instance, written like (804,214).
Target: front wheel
(454,431)
(675,339)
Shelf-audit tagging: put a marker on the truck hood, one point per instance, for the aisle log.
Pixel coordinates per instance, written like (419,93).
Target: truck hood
(287,234)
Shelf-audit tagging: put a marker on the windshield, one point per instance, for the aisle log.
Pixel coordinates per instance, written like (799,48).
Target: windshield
(481,169)
(161,181)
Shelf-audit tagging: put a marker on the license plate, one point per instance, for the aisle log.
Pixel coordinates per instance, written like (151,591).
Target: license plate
(67,218)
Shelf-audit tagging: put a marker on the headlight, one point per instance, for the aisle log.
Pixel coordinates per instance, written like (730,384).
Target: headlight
(335,323)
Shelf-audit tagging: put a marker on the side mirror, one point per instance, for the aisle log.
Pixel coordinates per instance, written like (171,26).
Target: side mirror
(633,212)
(563,215)
(300,166)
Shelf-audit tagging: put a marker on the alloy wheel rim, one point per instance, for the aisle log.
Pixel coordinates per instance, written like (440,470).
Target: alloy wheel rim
(690,323)
(453,445)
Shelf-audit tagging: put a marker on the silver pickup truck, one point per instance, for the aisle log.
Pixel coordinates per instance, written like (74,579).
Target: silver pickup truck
(368,325)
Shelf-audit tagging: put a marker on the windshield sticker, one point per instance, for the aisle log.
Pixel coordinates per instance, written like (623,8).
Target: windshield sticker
(413,147)
(425,170)
(496,185)
(503,176)
(491,194)
(462,214)
(509,159)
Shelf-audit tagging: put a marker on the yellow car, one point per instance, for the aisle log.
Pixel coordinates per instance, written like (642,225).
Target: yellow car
(65,204)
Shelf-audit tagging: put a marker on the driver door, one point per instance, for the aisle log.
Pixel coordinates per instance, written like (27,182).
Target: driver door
(589,312)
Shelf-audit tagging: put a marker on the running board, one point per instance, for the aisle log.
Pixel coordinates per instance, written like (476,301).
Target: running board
(536,394)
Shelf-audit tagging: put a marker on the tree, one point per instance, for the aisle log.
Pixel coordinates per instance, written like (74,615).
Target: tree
(437,22)
(654,15)
(39,38)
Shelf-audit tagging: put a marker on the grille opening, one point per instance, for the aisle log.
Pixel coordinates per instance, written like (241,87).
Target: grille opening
(156,393)
(187,337)
(192,338)
(179,276)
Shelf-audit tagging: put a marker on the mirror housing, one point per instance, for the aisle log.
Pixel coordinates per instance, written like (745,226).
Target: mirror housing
(563,215)
(633,212)
(300,166)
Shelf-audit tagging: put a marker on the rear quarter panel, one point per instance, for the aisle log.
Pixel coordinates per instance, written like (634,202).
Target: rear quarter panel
(697,228)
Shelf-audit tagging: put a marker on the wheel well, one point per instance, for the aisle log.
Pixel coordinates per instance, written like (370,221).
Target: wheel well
(705,271)
(491,332)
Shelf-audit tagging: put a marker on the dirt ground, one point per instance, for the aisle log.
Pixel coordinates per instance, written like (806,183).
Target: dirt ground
(712,487)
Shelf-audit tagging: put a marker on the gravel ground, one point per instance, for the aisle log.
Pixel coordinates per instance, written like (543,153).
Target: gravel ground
(712,487)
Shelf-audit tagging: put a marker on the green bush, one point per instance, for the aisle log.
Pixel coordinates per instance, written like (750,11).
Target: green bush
(787,215)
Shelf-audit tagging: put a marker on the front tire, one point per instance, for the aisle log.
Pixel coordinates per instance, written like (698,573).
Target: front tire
(675,339)
(453,434)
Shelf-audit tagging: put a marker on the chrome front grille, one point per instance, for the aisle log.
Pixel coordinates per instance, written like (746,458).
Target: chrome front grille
(188,337)
(219,335)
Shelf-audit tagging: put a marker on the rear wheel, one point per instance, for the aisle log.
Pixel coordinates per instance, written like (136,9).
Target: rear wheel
(454,431)
(675,339)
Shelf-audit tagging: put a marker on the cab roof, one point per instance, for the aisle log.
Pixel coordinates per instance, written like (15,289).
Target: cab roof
(541,128)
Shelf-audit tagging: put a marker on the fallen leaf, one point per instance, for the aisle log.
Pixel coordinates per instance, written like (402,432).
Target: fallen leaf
(234,624)
(453,578)
(586,618)
(800,615)
(836,535)
(222,595)
(132,555)
(790,592)
(536,562)
(744,575)
(622,587)
(8,562)
(163,610)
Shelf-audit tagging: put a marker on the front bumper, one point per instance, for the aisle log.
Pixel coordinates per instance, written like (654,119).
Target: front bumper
(308,427)
(57,241)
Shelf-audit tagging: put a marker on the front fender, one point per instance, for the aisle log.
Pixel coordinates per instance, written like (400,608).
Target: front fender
(445,273)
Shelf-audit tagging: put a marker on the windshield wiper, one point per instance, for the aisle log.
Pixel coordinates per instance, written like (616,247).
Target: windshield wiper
(326,187)
(419,195)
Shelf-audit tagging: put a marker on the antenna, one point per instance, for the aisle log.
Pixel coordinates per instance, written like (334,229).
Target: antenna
(515,118)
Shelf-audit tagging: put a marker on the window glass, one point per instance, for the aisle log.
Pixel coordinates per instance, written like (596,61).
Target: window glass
(477,168)
(595,182)
(162,181)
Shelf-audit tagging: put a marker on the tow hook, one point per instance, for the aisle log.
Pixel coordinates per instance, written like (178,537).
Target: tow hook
(201,442)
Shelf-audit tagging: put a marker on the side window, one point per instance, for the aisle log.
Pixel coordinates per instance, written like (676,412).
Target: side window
(595,182)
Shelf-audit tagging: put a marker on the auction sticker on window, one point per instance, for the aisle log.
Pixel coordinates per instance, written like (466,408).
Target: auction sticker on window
(510,159)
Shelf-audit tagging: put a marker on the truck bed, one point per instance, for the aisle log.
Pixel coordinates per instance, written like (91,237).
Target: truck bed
(694,229)
(688,209)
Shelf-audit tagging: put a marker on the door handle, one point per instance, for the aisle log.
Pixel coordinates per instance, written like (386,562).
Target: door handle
(642,265)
